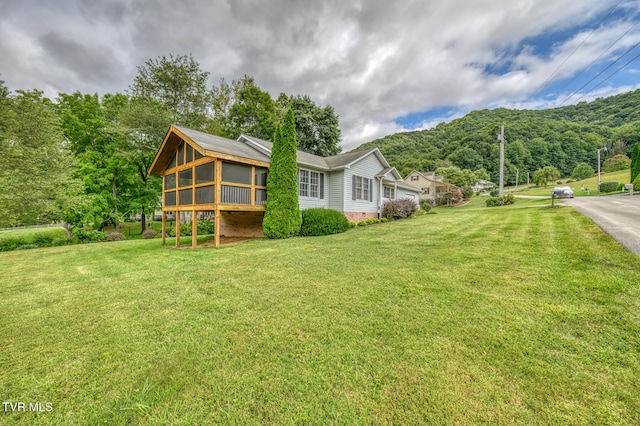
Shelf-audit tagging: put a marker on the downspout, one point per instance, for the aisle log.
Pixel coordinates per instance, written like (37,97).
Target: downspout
(380,192)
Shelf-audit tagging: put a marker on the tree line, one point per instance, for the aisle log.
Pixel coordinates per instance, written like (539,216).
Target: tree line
(84,158)
(560,137)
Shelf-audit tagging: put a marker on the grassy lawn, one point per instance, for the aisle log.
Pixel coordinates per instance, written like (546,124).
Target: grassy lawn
(591,183)
(520,314)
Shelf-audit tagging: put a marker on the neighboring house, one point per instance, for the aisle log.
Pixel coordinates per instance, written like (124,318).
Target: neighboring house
(432,188)
(205,175)
(483,185)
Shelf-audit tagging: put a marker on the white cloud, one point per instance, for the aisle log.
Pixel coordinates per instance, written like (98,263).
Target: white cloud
(374,61)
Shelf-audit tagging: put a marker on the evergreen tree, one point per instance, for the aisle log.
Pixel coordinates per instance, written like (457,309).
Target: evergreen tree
(635,162)
(282,218)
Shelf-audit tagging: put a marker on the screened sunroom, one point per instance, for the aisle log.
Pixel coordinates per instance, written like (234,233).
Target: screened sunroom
(213,179)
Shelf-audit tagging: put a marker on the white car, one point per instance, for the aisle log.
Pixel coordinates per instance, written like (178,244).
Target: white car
(562,192)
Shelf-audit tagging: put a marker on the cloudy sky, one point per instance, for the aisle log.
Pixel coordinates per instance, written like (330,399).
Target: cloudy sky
(385,66)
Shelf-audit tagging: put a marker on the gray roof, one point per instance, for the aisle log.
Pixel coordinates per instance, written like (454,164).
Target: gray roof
(222,145)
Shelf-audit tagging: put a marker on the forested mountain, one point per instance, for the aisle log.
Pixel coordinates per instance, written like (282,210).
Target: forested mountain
(561,137)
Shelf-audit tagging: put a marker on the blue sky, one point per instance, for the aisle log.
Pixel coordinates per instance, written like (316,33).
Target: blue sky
(384,66)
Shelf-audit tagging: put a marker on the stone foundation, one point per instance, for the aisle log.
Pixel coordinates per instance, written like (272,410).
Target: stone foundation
(359,216)
(241,224)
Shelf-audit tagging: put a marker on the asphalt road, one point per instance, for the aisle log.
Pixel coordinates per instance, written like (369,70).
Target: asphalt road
(618,216)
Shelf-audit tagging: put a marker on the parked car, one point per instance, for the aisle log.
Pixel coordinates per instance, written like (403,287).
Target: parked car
(562,192)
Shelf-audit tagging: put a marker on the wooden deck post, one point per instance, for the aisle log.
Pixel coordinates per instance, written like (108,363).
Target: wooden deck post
(216,227)
(194,229)
(164,227)
(177,229)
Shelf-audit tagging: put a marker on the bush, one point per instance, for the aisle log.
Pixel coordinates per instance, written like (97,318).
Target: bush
(206,226)
(149,234)
(620,187)
(467,192)
(384,220)
(418,212)
(494,192)
(115,236)
(320,221)
(608,186)
(615,163)
(425,205)
(353,224)
(582,171)
(398,209)
(42,240)
(636,184)
(368,222)
(501,201)
(84,236)
(12,243)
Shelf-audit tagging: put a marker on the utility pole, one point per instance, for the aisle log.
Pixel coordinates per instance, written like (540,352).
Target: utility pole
(501,139)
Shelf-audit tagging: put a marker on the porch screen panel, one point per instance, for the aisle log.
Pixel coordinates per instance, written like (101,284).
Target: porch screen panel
(261,197)
(235,195)
(170,198)
(185,197)
(205,173)
(261,176)
(185,177)
(204,194)
(236,173)
(170,181)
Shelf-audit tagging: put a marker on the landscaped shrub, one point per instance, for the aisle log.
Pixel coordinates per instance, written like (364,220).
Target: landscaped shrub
(425,205)
(368,222)
(115,236)
(494,193)
(608,186)
(149,234)
(353,224)
(384,220)
(206,226)
(636,184)
(467,192)
(582,171)
(418,212)
(319,221)
(12,243)
(398,209)
(501,201)
(84,236)
(615,163)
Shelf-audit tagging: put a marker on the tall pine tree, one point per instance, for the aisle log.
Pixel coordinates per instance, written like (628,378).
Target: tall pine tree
(282,218)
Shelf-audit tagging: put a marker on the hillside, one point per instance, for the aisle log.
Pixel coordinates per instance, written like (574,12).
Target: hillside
(561,137)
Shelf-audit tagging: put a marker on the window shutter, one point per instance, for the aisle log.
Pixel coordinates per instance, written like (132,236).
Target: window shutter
(322,186)
(370,189)
(353,187)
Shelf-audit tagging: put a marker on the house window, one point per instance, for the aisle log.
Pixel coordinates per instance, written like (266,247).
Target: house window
(389,193)
(425,190)
(361,188)
(414,178)
(310,184)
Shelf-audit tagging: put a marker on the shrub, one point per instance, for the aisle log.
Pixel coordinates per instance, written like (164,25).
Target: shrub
(494,192)
(501,201)
(149,234)
(425,205)
(61,240)
(634,164)
(620,187)
(384,220)
(115,236)
(467,192)
(26,247)
(368,222)
(398,209)
(12,243)
(42,240)
(582,171)
(84,236)
(636,184)
(615,163)
(418,212)
(206,226)
(320,221)
(353,224)
(608,186)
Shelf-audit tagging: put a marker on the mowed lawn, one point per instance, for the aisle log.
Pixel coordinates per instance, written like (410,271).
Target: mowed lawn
(521,314)
(622,176)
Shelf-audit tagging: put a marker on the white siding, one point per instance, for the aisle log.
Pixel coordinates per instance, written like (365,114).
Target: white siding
(311,202)
(367,167)
(403,193)
(336,190)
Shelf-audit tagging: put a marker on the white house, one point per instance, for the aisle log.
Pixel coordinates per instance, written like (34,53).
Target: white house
(206,175)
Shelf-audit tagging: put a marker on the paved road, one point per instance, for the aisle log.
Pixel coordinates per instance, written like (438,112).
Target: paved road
(618,216)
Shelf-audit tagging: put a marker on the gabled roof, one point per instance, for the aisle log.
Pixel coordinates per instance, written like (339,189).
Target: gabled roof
(428,176)
(335,162)
(206,144)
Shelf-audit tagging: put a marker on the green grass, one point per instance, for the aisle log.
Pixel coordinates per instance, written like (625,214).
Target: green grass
(519,314)
(133,230)
(29,233)
(621,176)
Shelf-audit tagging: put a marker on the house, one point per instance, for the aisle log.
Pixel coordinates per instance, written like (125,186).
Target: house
(432,188)
(483,185)
(210,176)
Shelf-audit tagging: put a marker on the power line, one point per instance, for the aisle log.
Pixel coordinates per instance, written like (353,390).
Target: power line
(614,73)
(596,59)
(600,73)
(574,50)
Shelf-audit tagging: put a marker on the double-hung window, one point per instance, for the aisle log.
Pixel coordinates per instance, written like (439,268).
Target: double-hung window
(389,193)
(361,188)
(310,184)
